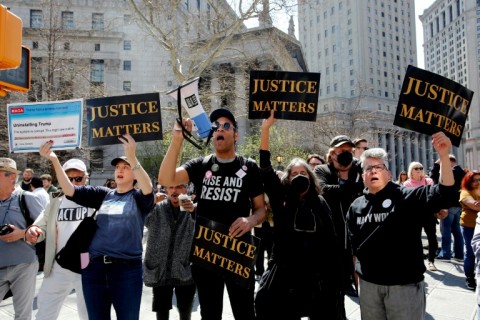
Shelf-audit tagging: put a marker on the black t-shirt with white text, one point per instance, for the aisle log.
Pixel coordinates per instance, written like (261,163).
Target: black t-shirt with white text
(224,190)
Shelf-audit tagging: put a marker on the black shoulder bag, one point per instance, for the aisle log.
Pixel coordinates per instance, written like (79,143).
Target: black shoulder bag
(69,257)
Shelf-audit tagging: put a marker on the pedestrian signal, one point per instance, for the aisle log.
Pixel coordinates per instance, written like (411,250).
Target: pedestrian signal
(10,39)
(17,79)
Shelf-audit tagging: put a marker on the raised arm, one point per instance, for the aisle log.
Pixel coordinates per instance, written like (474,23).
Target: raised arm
(169,174)
(47,152)
(265,133)
(442,145)
(130,150)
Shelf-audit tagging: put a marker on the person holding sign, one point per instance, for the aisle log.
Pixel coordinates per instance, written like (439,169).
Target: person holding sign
(54,226)
(228,188)
(113,274)
(304,277)
(385,223)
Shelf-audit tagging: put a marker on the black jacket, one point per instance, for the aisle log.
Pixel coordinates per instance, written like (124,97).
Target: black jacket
(386,231)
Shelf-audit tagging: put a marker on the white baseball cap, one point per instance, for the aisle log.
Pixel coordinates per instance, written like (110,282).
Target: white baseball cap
(74,164)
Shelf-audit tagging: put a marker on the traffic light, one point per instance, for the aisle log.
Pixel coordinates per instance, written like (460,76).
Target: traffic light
(16,79)
(10,39)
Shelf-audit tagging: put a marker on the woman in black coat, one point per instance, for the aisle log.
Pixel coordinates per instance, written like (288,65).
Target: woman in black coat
(304,274)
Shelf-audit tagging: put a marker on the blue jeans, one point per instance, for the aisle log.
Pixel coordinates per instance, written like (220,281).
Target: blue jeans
(116,283)
(469,257)
(448,227)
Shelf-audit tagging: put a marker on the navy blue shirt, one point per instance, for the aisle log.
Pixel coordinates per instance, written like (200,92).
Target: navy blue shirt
(120,220)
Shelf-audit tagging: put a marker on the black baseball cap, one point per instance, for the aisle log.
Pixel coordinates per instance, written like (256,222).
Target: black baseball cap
(340,140)
(220,113)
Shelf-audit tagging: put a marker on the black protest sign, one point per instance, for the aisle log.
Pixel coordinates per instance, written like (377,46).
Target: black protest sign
(215,250)
(138,115)
(293,95)
(430,103)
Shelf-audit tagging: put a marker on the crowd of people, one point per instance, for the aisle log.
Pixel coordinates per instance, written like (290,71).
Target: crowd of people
(322,222)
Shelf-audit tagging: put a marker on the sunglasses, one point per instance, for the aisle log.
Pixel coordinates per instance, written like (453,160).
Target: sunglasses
(77,179)
(418,168)
(217,125)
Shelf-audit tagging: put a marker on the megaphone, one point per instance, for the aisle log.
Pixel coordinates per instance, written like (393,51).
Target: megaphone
(187,95)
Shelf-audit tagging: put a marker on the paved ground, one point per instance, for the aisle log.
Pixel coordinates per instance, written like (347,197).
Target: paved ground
(447,299)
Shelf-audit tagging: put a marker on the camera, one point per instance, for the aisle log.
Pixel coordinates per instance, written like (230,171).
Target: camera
(5,229)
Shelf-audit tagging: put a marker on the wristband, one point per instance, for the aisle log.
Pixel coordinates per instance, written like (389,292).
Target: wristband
(136,167)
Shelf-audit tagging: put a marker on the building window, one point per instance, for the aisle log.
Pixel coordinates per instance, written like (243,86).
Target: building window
(127,65)
(36,19)
(35,44)
(97,46)
(127,86)
(66,46)
(67,20)
(127,45)
(97,70)
(97,21)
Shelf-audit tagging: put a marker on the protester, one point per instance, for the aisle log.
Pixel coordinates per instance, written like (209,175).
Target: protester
(209,174)
(27,178)
(167,255)
(54,227)
(384,224)
(341,182)
(476,251)
(361,145)
(114,273)
(110,183)
(47,183)
(416,178)
(18,262)
(470,202)
(402,177)
(36,187)
(301,282)
(450,226)
(314,160)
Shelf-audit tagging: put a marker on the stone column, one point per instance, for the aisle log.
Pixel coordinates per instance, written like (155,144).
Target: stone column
(393,156)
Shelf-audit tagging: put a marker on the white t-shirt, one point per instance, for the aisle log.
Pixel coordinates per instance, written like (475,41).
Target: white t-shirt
(69,216)
(41,194)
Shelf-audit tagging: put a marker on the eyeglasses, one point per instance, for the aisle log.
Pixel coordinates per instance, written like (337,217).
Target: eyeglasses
(377,167)
(217,125)
(77,179)
(418,168)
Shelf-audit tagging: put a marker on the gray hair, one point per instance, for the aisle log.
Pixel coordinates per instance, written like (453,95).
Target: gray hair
(374,153)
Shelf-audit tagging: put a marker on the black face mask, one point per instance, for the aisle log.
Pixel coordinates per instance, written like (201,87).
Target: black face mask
(300,184)
(345,158)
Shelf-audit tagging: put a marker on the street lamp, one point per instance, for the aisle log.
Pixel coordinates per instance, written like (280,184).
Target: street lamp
(279,160)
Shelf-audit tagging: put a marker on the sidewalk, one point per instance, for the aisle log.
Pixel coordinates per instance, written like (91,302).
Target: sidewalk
(447,299)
